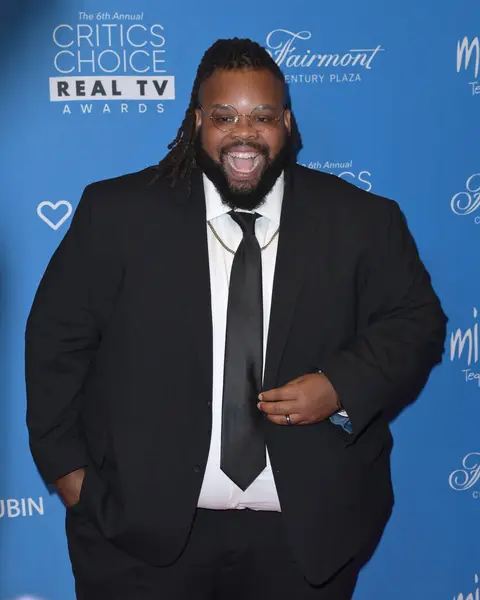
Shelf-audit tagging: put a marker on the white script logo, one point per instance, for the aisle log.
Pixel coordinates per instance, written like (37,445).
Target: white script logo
(468,57)
(465,478)
(466,202)
(58,218)
(281,44)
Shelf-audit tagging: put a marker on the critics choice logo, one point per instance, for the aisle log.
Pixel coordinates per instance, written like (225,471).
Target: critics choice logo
(468,61)
(346,170)
(464,349)
(112,58)
(292,52)
(467,201)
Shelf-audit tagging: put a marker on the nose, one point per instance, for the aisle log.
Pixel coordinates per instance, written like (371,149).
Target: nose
(244,130)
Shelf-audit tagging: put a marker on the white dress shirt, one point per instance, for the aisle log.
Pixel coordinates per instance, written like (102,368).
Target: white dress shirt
(218,491)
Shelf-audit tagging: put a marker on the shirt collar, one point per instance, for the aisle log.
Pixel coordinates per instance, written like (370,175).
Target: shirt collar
(271,208)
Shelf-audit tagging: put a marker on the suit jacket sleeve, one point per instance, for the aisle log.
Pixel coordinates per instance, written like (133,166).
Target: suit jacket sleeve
(401,329)
(61,335)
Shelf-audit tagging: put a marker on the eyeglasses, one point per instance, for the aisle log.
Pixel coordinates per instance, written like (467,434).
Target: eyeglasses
(226,117)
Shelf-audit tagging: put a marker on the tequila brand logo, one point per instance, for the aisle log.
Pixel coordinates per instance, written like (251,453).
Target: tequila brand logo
(467,201)
(291,51)
(468,60)
(464,348)
(110,57)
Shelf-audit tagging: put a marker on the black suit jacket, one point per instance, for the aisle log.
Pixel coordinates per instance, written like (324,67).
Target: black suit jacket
(119,360)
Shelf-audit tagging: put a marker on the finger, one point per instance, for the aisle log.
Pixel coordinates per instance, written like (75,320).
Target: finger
(281,419)
(285,407)
(297,380)
(286,392)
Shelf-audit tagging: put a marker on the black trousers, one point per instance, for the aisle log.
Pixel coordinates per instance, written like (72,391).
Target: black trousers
(230,555)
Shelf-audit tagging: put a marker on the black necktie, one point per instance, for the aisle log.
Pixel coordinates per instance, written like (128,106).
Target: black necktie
(243,444)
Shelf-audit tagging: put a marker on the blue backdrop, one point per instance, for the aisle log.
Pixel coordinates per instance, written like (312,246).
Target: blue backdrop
(386,96)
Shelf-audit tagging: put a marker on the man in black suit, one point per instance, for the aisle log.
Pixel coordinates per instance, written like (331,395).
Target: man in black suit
(213,355)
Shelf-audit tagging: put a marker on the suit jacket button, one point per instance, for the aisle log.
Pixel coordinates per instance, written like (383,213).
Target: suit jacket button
(209,403)
(197,468)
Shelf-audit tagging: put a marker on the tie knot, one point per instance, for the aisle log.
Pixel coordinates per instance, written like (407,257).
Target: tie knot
(245,220)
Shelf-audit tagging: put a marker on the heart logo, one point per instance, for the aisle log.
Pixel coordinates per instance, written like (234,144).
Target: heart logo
(55,223)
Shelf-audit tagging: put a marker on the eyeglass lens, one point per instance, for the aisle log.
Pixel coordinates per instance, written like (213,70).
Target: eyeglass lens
(226,118)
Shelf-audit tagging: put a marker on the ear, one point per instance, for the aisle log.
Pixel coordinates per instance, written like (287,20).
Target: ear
(198,119)
(287,120)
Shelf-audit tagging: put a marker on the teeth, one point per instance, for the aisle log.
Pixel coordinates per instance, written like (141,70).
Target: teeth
(243,154)
(244,171)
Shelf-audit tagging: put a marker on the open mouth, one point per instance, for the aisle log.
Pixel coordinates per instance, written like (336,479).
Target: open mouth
(244,164)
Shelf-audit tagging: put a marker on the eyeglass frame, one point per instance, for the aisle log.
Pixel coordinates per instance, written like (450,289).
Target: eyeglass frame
(277,119)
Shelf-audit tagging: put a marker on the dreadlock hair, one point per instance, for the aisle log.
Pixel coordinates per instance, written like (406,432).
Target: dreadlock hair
(231,54)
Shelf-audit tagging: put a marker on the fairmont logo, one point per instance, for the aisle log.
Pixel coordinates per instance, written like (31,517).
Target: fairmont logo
(290,50)
(467,201)
(465,478)
(468,59)
(12,508)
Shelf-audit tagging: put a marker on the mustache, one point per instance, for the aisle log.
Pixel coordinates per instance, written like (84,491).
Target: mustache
(236,197)
(244,146)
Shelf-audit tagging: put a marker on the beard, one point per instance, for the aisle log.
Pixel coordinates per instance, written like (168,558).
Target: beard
(244,196)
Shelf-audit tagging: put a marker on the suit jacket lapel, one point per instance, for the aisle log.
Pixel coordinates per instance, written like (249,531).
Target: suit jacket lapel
(295,245)
(195,290)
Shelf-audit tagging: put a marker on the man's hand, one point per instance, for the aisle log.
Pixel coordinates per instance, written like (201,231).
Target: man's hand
(69,487)
(307,399)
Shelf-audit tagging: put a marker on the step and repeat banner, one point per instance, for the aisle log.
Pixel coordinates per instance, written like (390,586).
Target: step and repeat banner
(387,96)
